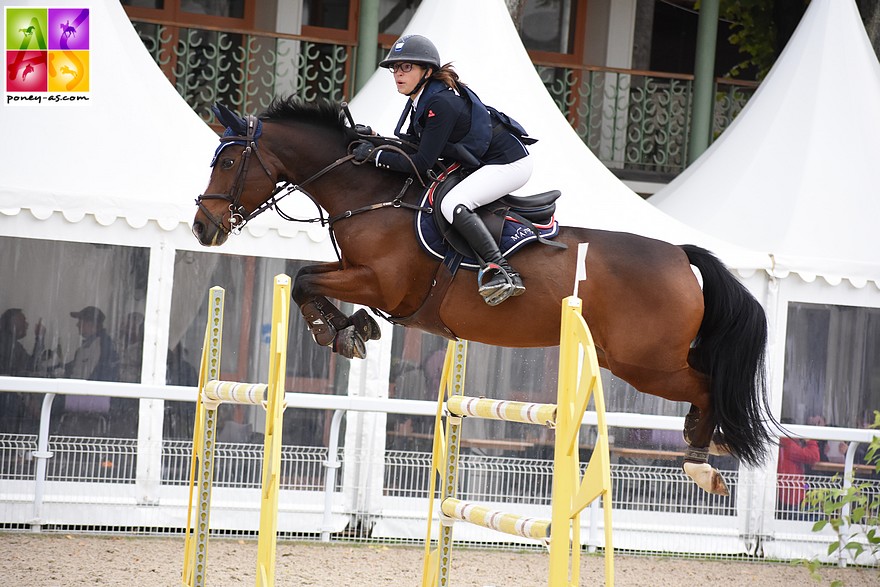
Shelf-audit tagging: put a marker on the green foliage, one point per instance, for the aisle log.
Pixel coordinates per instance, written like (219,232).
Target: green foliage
(758,30)
(858,531)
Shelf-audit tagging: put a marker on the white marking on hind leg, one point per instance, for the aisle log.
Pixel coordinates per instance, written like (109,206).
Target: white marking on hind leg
(706,477)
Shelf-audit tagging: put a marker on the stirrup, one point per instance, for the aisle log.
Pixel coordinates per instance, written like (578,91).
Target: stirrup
(495,293)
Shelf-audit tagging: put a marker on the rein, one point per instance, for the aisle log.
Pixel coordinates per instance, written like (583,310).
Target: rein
(239,217)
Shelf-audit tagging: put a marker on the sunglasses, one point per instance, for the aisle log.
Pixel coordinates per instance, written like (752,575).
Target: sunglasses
(404,67)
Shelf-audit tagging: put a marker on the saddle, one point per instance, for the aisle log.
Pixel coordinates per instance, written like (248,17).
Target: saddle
(512,220)
(515,219)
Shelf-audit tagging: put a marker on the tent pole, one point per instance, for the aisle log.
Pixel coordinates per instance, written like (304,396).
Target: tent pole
(704,73)
(368,42)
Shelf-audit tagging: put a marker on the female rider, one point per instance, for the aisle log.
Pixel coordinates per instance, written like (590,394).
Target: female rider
(447,120)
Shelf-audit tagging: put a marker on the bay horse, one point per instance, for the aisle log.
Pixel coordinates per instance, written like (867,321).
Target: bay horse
(653,324)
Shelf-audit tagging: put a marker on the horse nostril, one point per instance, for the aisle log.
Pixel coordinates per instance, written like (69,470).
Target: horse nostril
(198,228)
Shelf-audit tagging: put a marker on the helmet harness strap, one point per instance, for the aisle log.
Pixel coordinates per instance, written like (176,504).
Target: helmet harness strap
(422,82)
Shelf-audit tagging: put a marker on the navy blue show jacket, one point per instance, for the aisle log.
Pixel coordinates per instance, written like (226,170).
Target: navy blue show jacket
(454,127)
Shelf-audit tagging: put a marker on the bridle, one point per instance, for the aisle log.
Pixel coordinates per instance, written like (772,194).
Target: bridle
(239,216)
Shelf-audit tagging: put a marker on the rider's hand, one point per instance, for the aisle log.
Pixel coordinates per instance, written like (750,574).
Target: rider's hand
(363,129)
(362,151)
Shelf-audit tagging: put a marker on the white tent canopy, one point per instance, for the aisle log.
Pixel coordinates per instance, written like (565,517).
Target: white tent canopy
(133,150)
(794,174)
(105,173)
(481,41)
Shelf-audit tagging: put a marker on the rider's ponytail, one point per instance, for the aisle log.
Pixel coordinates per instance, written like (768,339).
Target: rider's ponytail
(448,76)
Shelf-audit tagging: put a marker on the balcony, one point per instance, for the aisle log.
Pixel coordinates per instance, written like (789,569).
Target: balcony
(636,122)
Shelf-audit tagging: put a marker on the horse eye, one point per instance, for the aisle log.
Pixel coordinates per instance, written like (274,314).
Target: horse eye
(227,163)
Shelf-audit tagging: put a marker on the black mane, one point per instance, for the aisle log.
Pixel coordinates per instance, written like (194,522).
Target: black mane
(295,109)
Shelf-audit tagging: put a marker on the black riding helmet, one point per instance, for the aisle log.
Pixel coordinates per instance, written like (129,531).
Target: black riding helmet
(413,49)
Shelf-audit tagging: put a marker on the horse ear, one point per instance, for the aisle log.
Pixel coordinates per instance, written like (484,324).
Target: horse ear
(229,119)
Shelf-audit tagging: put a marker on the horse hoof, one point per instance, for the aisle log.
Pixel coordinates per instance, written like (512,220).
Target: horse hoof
(366,327)
(348,344)
(707,478)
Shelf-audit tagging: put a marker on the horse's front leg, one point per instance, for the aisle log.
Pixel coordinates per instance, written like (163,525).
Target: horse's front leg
(327,323)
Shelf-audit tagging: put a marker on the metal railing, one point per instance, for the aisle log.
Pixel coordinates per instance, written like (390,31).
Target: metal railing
(55,481)
(633,121)
(245,70)
(637,120)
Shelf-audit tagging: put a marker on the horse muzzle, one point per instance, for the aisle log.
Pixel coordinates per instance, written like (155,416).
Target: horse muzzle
(207,227)
(208,233)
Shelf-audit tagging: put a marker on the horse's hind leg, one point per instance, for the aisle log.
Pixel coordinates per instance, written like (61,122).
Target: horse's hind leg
(692,431)
(688,385)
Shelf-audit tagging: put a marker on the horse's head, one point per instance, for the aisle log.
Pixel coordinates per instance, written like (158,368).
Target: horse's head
(236,188)
(298,144)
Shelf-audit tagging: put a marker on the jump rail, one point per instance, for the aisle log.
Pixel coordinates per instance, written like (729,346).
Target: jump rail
(579,380)
(214,392)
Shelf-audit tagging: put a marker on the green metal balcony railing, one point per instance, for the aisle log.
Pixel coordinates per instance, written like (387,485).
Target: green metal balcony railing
(246,70)
(634,121)
(637,120)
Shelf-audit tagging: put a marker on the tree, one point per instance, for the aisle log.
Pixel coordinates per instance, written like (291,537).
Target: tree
(852,512)
(762,28)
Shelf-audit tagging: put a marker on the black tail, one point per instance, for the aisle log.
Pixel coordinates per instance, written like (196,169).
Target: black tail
(730,349)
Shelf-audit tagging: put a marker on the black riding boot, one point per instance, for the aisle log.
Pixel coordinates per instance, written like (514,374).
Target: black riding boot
(502,281)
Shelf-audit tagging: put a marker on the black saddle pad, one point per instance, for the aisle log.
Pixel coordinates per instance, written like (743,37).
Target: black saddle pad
(514,234)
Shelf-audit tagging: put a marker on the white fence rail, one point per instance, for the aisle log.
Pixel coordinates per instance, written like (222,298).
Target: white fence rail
(140,485)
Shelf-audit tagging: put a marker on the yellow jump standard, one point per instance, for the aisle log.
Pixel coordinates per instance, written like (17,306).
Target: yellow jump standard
(212,394)
(579,380)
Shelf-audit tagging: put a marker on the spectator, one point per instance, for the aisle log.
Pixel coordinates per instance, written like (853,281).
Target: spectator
(835,451)
(18,411)
(14,359)
(95,359)
(795,454)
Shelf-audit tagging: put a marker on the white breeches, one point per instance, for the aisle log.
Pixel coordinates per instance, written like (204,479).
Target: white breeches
(487,184)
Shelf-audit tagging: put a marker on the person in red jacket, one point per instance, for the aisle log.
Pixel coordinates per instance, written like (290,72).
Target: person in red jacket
(794,456)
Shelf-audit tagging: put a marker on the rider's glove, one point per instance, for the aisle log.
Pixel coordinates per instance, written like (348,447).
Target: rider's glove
(362,151)
(363,129)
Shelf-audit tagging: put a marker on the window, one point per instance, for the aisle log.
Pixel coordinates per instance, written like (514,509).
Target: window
(88,299)
(394,15)
(332,14)
(330,19)
(230,13)
(248,285)
(832,364)
(673,41)
(549,26)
